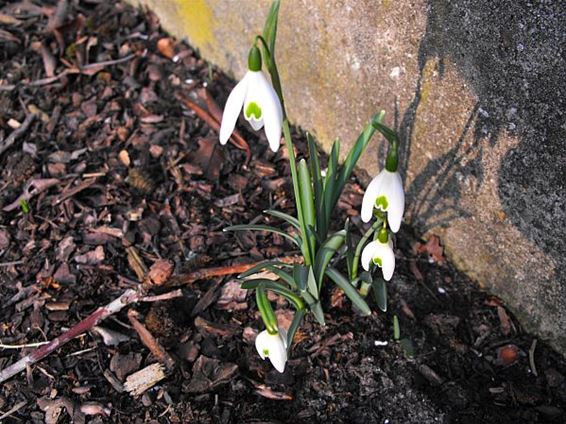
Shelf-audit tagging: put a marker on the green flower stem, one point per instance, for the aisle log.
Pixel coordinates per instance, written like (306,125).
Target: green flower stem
(392,160)
(266,311)
(376,225)
(276,81)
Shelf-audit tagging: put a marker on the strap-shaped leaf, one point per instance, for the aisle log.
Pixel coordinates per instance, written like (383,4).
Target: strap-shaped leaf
(316,309)
(314,165)
(275,287)
(396,328)
(325,253)
(295,324)
(380,293)
(354,155)
(311,284)
(307,200)
(284,216)
(272,267)
(270,26)
(306,282)
(349,290)
(257,227)
(330,183)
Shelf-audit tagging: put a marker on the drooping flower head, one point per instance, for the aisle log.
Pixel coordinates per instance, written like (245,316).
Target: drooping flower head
(385,192)
(259,101)
(380,253)
(274,347)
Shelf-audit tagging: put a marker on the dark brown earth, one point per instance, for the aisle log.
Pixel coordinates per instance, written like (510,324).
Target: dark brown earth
(114,165)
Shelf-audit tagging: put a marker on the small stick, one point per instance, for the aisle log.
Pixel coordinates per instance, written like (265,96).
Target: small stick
(14,135)
(203,274)
(13,410)
(150,342)
(165,296)
(128,297)
(22,346)
(71,192)
(236,139)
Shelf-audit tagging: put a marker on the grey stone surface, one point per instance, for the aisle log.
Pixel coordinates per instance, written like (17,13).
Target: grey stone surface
(477,91)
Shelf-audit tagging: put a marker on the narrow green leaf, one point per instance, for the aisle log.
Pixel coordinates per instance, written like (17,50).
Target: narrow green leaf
(276,287)
(300,275)
(316,309)
(24,206)
(314,165)
(307,201)
(396,328)
(257,227)
(380,293)
(284,216)
(295,324)
(330,183)
(325,254)
(311,284)
(270,27)
(272,267)
(349,290)
(354,155)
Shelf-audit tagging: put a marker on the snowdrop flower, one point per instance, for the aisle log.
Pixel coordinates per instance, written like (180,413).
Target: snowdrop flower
(381,254)
(259,101)
(274,347)
(385,192)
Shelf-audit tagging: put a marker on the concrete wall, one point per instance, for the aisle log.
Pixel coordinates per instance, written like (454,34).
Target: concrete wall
(476,89)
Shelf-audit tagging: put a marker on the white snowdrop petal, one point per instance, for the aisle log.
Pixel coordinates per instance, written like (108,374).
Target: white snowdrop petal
(372,192)
(278,354)
(261,343)
(232,109)
(283,334)
(368,254)
(388,261)
(272,112)
(396,199)
(383,251)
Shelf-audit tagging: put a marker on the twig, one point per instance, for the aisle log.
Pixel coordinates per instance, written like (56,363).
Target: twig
(14,409)
(22,346)
(69,193)
(128,297)
(165,296)
(235,138)
(150,342)
(203,274)
(14,135)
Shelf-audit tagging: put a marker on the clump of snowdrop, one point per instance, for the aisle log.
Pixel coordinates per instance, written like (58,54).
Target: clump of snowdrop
(316,193)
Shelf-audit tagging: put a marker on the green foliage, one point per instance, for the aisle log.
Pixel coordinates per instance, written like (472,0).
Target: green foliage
(316,195)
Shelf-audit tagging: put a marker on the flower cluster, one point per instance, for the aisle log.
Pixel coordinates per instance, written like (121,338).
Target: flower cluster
(316,194)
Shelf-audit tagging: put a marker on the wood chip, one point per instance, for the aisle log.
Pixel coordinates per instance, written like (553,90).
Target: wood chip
(144,379)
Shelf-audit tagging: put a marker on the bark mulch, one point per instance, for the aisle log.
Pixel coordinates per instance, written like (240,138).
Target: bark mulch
(111,177)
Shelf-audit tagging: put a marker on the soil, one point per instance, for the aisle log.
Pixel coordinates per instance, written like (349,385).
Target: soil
(114,167)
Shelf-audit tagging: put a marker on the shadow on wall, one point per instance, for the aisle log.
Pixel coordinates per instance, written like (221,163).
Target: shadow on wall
(513,56)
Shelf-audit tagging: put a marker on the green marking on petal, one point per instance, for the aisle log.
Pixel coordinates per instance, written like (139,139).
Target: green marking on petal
(253,109)
(265,352)
(377,261)
(381,203)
